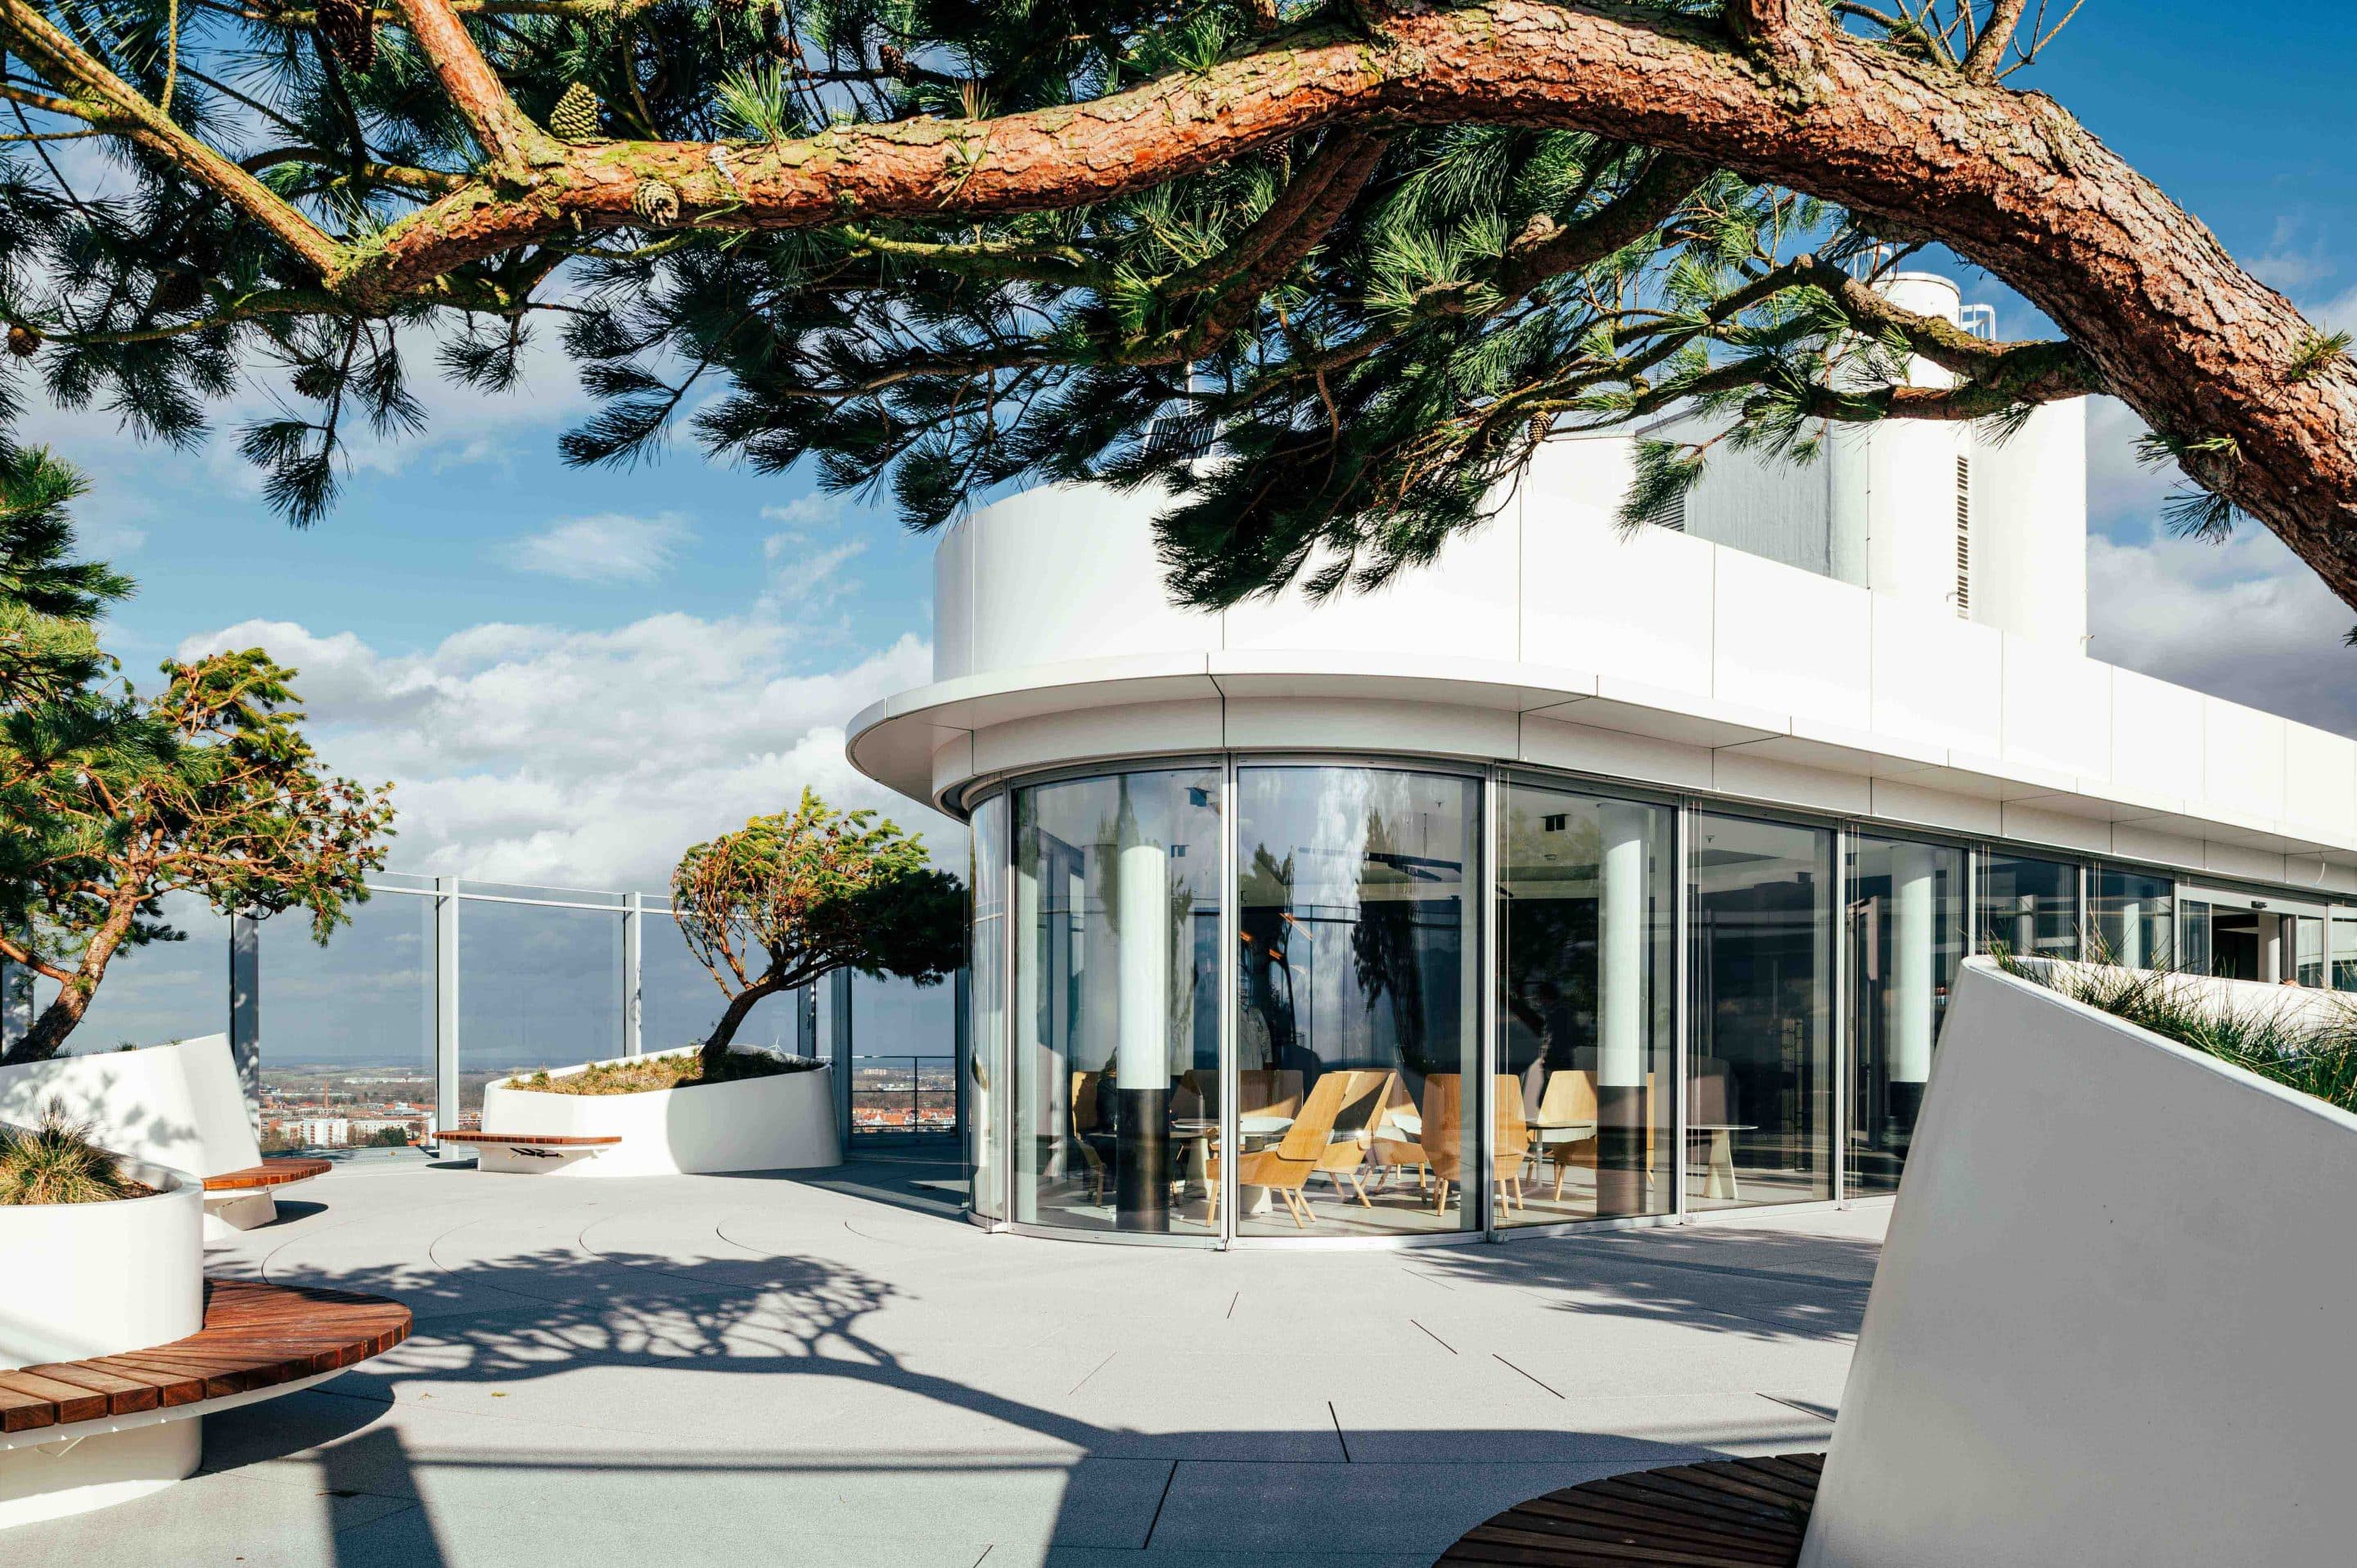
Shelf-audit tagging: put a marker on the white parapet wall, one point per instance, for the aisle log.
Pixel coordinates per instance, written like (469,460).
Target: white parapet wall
(2108,1324)
(179,1104)
(783,1123)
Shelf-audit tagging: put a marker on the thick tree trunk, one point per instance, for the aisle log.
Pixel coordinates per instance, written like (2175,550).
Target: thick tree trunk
(46,1037)
(732,1018)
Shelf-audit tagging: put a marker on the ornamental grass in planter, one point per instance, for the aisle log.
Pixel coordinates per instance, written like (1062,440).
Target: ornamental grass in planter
(55,1162)
(646,1075)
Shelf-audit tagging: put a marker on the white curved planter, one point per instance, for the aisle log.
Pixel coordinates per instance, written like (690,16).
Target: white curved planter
(98,1279)
(2105,1327)
(785,1123)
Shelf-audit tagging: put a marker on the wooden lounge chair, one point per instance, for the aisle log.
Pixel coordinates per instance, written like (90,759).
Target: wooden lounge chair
(1283,1169)
(1366,1098)
(1443,1141)
(1571,1097)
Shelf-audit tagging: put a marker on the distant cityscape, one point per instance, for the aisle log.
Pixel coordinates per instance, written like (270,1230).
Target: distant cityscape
(390,1105)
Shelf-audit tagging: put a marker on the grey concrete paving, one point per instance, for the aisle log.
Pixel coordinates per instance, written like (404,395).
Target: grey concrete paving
(837,1373)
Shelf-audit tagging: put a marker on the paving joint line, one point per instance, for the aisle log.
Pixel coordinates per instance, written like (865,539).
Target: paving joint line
(1509,1365)
(1436,1340)
(1152,1524)
(1340,1435)
(1092,1371)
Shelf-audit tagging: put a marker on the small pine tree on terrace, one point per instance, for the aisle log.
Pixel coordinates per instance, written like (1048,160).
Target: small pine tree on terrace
(787,899)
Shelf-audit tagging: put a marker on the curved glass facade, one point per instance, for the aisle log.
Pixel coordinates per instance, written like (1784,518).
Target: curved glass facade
(1247,1000)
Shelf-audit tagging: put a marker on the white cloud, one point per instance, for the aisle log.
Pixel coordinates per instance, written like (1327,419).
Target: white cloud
(2245,620)
(611,547)
(588,760)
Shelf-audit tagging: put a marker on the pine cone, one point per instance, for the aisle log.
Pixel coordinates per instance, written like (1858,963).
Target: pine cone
(23,341)
(576,116)
(894,62)
(656,203)
(350,29)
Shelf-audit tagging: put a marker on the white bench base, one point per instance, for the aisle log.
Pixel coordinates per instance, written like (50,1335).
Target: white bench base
(234,1211)
(523,1159)
(55,1472)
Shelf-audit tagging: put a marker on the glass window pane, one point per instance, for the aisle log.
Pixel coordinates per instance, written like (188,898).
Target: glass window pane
(2344,951)
(679,1002)
(1115,881)
(1358,1050)
(163,990)
(2135,918)
(1586,910)
(986,1103)
(537,987)
(348,1029)
(2308,949)
(905,1036)
(1907,942)
(2029,907)
(1760,1084)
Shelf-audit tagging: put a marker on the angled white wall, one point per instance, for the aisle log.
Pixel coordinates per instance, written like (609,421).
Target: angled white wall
(2106,1325)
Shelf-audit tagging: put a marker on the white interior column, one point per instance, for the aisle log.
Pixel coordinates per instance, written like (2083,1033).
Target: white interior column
(2271,949)
(1620,1012)
(1913,886)
(1141,1044)
(1621,949)
(2132,952)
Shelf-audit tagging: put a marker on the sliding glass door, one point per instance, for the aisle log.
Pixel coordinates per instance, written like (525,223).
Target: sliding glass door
(1907,942)
(1760,1069)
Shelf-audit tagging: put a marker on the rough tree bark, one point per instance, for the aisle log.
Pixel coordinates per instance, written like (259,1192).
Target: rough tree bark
(2223,366)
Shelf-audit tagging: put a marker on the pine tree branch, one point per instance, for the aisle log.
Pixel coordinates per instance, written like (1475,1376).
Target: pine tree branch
(64,63)
(511,142)
(1987,58)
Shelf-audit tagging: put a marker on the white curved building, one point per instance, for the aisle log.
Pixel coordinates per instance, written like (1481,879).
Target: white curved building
(1634,869)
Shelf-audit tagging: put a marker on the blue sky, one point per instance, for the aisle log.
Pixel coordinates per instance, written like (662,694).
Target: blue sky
(573,674)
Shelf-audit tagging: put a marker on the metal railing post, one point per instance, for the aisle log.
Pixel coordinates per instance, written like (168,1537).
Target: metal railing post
(839,1044)
(245,1009)
(633,918)
(445,1002)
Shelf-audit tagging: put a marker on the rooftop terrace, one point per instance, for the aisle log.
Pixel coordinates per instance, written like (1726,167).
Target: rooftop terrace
(838,1370)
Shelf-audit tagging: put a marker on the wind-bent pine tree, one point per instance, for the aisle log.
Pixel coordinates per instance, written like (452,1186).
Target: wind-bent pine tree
(1363,255)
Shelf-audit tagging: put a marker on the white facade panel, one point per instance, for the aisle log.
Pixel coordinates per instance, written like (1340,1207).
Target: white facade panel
(1898,801)
(1136,730)
(2089,835)
(1613,754)
(954,602)
(1318,723)
(2138,842)
(2233,859)
(1739,773)
(1636,606)
(2058,710)
(1787,640)
(1462,605)
(2243,759)
(2155,736)
(1937,680)
(1060,575)
(2321,782)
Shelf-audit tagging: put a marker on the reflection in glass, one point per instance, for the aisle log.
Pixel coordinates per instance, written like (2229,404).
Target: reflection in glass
(1115,1012)
(162,990)
(539,987)
(2135,918)
(348,1029)
(2029,907)
(986,1032)
(1907,942)
(1760,1084)
(2308,948)
(2344,952)
(1586,903)
(1359,1004)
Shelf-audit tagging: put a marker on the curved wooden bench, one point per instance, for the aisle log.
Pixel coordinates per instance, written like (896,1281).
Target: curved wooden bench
(269,1173)
(256,1336)
(242,1199)
(1732,1513)
(514,1152)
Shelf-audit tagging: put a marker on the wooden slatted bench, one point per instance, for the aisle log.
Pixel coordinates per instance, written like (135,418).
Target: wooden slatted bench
(518,1151)
(259,1341)
(243,1199)
(1732,1513)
